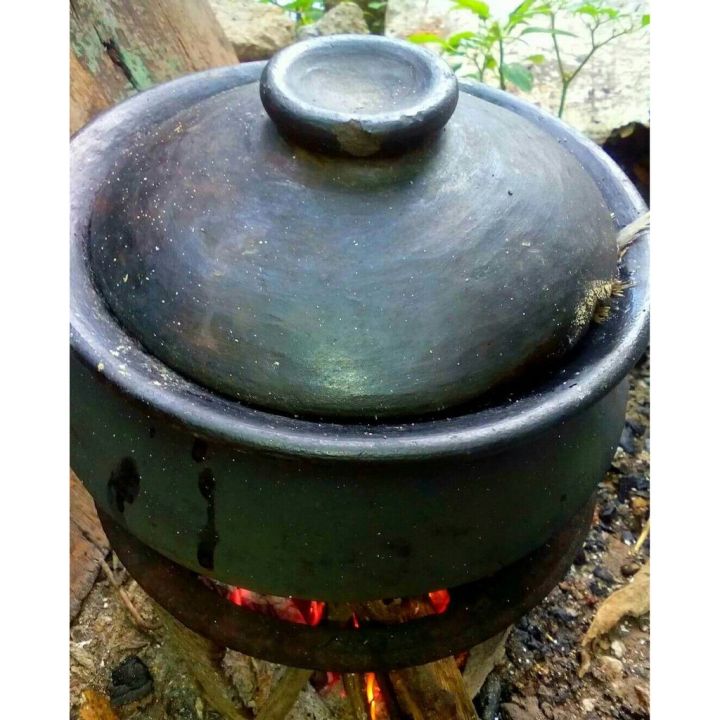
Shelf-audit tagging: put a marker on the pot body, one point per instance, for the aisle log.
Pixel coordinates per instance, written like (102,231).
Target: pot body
(332,511)
(336,528)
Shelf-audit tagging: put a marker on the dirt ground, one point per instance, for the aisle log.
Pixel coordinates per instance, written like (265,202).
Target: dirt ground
(540,678)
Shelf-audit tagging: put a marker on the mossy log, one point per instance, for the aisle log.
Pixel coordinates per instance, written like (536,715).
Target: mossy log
(118,48)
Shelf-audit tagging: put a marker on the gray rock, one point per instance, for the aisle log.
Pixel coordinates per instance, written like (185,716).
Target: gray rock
(256,30)
(481,661)
(374,16)
(406,17)
(345,18)
(487,703)
(610,668)
(526,708)
(330,4)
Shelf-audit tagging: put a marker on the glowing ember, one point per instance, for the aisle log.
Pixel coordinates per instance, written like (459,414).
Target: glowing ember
(331,678)
(303,612)
(312,612)
(440,600)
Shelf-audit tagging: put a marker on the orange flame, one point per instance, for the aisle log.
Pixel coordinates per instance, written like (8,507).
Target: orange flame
(372,692)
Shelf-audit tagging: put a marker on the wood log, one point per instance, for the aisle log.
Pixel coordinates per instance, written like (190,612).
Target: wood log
(353,683)
(118,48)
(88,544)
(355,692)
(389,708)
(434,691)
(202,658)
(482,660)
(284,694)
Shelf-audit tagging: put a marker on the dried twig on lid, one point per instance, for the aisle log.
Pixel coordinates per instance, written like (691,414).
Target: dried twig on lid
(615,288)
(630,233)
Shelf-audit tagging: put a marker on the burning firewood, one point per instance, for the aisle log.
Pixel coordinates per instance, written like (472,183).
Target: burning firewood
(304,612)
(434,691)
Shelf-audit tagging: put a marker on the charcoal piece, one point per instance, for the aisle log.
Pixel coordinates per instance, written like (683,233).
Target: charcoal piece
(130,681)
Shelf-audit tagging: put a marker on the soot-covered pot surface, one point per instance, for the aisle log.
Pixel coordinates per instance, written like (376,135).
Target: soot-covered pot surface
(331,321)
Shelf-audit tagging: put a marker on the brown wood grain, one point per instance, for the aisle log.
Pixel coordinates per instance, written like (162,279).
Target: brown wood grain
(88,544)
(203,659)
(118,48)
(434,691)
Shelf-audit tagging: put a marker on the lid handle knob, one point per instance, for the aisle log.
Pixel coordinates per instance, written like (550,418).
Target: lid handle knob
(359,95)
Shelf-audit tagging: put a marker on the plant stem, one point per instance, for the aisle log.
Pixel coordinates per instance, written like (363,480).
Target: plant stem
(567,78)
(563,78)
(563,95)
(502,61)
(481,70)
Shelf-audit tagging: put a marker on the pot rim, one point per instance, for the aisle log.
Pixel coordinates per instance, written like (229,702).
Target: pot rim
(602,358)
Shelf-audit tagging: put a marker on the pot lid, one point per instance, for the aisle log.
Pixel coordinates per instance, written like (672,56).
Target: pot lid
(351,237)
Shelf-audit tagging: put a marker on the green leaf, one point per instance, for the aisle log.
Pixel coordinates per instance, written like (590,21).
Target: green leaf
(520,12)
(474,42)
(454,40)
(587,10)
(494,33)
(377,5)
(425,38)
(297,5)
(645,21)
(536,59)
(490,62)
(522,8)
(549,31)
(481,9)
(525,11)
(518,75)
